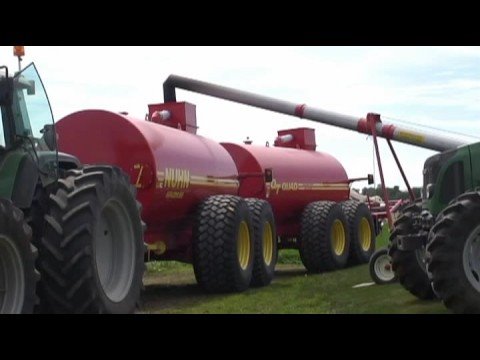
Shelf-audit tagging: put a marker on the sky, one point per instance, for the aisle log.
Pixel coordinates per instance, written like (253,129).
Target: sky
(436,87)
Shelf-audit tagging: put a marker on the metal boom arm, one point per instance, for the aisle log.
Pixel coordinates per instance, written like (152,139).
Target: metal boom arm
(387,131)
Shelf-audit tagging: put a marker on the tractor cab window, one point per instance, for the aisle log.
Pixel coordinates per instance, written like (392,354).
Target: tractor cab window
(2,135)
(31,107)
(3,102)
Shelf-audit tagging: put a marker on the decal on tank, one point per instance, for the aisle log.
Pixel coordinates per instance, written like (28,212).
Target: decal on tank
(177,178)
(276,186)
(182,179)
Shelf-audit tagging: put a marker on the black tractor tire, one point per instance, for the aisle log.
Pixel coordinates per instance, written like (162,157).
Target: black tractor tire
(380,267)
(35,218)
(223,244)
(265,238)
(453,260)
(362,232)
(92,252)
(324,237)
(409,266)
(18,276)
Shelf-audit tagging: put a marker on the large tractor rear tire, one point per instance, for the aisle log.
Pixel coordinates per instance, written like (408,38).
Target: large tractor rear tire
(454,254)
(18,277)
(223,244)
(265,238)
(324,238)
(410,266)
(92,252)
(362,232)
(35,218)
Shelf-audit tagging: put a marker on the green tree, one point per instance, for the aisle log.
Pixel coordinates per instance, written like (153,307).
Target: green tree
(393,193)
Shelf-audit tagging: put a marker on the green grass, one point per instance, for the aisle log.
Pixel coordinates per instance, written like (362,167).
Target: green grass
(167,266)
(382,238)
(171,288)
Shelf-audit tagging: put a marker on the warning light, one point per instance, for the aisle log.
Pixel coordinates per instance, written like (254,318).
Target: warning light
(19,50)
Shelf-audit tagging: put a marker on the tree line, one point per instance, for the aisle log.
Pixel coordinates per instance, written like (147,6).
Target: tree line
(393,193)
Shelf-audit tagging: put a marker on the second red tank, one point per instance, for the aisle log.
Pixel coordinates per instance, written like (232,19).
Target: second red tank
(300,175)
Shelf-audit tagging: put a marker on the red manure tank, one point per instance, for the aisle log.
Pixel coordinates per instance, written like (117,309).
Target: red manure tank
(172,169)
(226,208)
(300,175)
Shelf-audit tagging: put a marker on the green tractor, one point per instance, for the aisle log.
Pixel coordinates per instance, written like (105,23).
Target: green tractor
(435,247)
(71,237)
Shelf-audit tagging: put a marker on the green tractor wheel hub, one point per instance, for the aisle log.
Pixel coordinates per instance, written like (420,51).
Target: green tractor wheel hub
(115,251)
(12,277)
(420,256)
(471,258)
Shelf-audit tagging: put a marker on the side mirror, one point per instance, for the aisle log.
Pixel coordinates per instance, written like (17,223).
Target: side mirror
(31,87)
(4,93)
(370,179)
(49,136)
(6,87)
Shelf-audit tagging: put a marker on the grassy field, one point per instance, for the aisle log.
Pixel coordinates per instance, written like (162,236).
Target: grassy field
(171,288)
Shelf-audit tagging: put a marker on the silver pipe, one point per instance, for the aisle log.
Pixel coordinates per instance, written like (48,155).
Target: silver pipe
(401,134)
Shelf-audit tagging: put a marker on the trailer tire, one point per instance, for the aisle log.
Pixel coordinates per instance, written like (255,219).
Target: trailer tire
(92,252)
(324,237)
(223,245)
(454,248)
(18,276)
(362,232)
(409,265)
(264,234)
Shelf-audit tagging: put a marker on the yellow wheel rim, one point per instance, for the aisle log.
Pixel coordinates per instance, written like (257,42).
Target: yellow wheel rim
(243,245)
(338,237)
(365,234)
(267,243)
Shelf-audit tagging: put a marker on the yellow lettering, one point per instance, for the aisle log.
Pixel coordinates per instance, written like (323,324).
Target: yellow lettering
(174,194)
(177,178)
(137,184)
(275,186)
(168,177)
(289,186)
(159,180)
(187,179)
(286,186)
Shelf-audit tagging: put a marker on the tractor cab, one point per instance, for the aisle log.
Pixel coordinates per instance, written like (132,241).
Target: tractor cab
(25,111)
(28,150)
